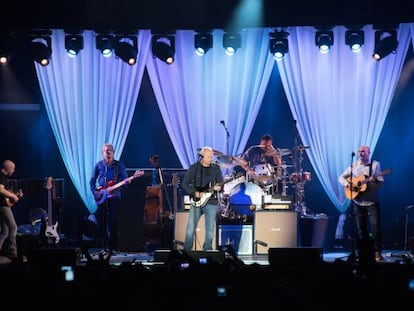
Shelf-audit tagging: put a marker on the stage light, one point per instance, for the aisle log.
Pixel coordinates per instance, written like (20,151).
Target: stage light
(324,39)
(126,48)
(385,43)
(163,47)
(41,49)
(5,49)
(231,42)
(105,43)
(355,39)
(203,42)
(278,44)
(73,44)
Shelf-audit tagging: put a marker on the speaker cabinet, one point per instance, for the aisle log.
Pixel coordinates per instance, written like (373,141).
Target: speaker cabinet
(181,219)
(274,229)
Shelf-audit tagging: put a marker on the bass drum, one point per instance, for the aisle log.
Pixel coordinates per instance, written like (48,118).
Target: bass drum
(247,197)
(230,183)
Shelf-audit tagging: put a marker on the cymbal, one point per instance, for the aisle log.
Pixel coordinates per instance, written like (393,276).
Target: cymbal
(301,148)
(284,166)
(215,152)
(279,151)
(232,160)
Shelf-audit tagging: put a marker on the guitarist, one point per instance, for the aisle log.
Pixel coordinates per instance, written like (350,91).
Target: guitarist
(366,203)
(107,172)
(202,179)
(8,226)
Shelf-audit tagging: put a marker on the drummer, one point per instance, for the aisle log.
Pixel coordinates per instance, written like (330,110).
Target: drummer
(265,153)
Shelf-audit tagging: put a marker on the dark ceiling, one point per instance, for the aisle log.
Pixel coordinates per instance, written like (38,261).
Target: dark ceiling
(196,14)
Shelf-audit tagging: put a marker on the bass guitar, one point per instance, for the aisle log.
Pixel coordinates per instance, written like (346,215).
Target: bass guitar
(207,192)
(51,232)
(10,202)
(359,184)
(105,192)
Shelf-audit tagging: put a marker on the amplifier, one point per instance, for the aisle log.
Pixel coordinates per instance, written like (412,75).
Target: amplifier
(181,219)
(275,206)
(274,229)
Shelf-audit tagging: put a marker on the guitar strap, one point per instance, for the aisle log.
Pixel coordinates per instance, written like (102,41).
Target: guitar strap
(370,168)
(116,170)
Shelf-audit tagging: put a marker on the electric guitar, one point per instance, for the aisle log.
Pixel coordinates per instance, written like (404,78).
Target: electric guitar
(105,192)
(10,202)
(51,229)
(206,194)
(359,184)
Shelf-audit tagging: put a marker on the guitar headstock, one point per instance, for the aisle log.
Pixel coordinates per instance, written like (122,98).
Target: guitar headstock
(19,193)
(48,183)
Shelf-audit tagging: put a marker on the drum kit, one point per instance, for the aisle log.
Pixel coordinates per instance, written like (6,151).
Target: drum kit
(264,182)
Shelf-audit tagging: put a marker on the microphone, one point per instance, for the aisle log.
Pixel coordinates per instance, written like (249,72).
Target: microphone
(227,131)
(353,154)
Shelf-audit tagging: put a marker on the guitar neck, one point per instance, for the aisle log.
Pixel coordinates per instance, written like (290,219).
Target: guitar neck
(49,207)
(123,182)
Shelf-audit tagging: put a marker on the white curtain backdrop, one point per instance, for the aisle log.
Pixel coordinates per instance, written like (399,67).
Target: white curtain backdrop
(196,93)
(90,100)
(340,100)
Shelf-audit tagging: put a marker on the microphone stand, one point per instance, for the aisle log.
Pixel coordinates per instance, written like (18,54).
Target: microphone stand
(406,254)
(352,256)
(227,136)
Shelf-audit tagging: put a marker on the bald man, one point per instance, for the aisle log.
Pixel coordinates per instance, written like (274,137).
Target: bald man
(8,226)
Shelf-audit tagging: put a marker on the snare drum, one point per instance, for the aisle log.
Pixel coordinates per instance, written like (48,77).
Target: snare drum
(263,174)
(306,176)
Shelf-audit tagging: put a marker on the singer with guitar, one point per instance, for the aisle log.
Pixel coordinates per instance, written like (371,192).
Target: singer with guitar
(361,181)
(109,176)
(8,226)
(202,179)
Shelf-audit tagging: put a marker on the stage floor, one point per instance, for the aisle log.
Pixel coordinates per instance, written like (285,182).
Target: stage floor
(390,256)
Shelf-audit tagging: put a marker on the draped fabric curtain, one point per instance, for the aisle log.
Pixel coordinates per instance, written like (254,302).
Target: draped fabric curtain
(196,93)
(90,100)
(340,100)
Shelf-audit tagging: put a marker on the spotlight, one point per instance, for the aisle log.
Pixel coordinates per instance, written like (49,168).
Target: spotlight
(5,49)
(105,43)
(126,48)
(163,47)
(203,42)
(231,42)
(385,43)
(73,44)
(278,44)
(355,39)
(324,39)
(41,49)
